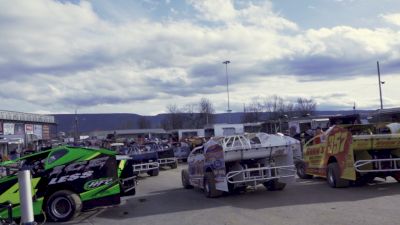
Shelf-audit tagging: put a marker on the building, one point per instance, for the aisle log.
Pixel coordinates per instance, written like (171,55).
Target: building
(24,131)
(132,134)
(186,133)
(223,129)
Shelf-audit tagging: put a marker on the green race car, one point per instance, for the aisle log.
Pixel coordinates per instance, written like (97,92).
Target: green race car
(67,180)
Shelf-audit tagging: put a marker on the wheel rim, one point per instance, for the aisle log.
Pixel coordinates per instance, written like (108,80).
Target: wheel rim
(301,170)
(61,207)
(206,187)
(331,179)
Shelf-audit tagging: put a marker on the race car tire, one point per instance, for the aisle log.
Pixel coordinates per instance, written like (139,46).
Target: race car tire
(363,180)
(174,165)
(333,176)
(210,189)
(274,185)
(301,171)
(153,173)
(63,206)
(396,176)
(185,179)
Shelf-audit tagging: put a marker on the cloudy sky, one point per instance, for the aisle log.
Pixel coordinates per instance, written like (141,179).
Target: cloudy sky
(137,56)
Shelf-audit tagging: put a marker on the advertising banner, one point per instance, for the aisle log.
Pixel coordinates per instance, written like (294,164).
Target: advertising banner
(28,128)
(37,131)
(8,128)
(19,129)
(46,132)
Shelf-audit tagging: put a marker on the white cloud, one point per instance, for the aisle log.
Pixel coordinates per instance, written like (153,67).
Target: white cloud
(57,56)
(392,18)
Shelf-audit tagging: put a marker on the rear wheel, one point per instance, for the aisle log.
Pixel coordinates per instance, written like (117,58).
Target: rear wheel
(174,165)
(210,189)
(274,185)
(301,171)
(153,173)
(396,176)
(185,179)
(63,205)
(333,176)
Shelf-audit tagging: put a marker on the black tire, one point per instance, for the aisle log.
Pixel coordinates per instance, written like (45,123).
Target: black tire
(333,176)
(363,180)
(301,171)
(185,179)
(274,185)
(174,165)
(396,176)
(153,173)
(209,186)
(63,206)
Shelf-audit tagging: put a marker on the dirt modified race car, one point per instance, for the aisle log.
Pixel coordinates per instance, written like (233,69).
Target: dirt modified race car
(67,180)
(233,163)
(348,154)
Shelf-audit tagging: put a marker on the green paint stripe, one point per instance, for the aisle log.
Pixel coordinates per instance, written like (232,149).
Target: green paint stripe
(102,191)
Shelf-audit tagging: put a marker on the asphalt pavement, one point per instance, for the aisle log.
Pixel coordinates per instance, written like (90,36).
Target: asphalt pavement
(161,200)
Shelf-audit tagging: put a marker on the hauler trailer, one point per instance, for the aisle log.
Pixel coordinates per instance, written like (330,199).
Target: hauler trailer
(233,163)
(346,154)
(67,180)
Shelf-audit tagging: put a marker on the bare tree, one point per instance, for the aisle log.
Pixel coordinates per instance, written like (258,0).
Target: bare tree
(174,119)
(305,106)
(206,112)
(190,116)
(253,111)
(275,106)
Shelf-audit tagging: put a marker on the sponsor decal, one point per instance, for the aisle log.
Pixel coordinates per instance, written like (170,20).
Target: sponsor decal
(72,177)
(28,128)
(82,170)
(37,131)
(8,128)
(97,183)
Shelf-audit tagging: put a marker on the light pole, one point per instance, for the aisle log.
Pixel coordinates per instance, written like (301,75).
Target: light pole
(227,88)
(380,83)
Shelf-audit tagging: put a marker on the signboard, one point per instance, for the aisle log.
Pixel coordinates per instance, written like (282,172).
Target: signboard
(1,127)
(8,128)
(46,132)
(28,128)
(37,131)
(19,129)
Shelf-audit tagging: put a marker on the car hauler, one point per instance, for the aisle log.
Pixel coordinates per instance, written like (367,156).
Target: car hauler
(66,181)
(352,153)
(232,163)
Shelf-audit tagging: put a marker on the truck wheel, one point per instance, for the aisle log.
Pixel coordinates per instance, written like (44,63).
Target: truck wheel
(153,173)
(174,165)
(301,171)
(185,179)
(274,185)
(209,186)
(63,205)
(333,176)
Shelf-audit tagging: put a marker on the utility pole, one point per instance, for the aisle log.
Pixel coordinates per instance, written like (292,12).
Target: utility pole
(227,88)
(380,83)
(76,126)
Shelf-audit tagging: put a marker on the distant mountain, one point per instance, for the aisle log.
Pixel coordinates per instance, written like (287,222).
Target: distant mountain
(117,121)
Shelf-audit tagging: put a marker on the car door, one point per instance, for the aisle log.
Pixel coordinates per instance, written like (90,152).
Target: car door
(196,166)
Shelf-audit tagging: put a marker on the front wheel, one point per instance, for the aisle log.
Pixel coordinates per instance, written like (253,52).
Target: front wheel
(185,179)
(274,185)
(301,171)
(63,205)
(210,189)
(153,173)
(333,176)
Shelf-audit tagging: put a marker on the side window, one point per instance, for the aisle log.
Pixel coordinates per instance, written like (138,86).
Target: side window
(56,155)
